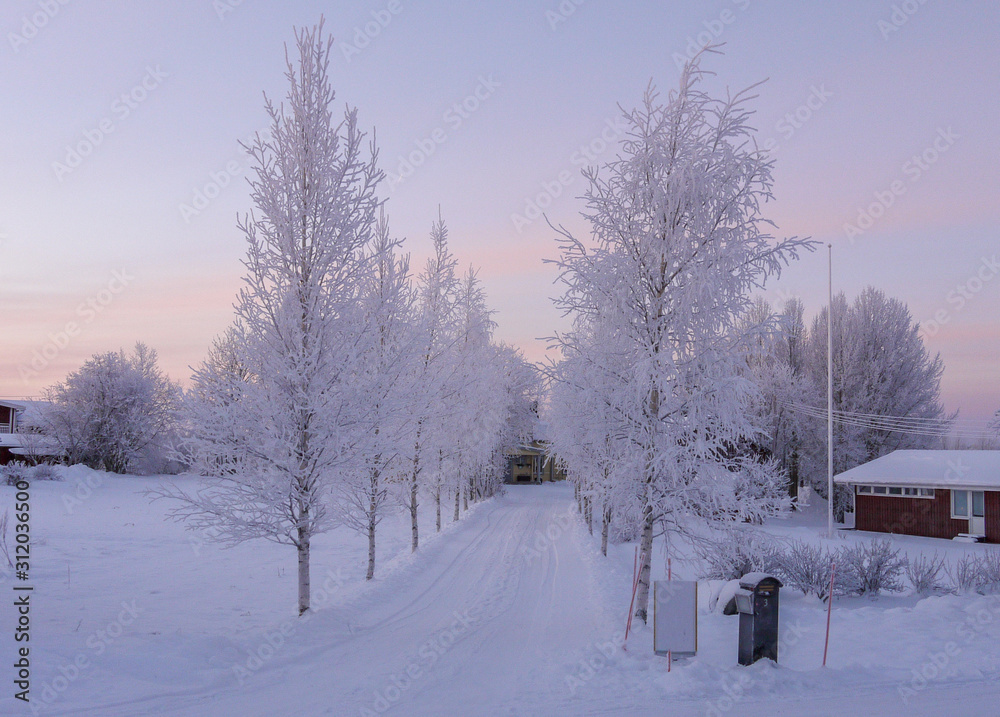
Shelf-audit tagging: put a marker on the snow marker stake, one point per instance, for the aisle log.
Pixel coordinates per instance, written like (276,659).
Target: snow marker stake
(670,654)
(635,587)
(829,609)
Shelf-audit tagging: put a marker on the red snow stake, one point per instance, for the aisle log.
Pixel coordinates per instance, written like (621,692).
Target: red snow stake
(635,587)
(829,609)
(670,654)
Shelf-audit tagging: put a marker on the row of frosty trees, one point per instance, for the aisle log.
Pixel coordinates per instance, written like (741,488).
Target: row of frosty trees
(344,384)
(673,399)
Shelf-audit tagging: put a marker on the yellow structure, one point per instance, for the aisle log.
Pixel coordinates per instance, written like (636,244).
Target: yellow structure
(531,464)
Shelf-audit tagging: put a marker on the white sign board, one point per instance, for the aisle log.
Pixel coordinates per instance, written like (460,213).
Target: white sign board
(675,617)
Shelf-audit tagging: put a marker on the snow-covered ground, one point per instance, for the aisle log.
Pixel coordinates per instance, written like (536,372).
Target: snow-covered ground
(512,611)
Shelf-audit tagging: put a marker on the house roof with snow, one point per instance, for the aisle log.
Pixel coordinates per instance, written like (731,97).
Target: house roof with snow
(969,470)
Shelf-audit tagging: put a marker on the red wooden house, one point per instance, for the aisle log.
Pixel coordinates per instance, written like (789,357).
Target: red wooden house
(936,494)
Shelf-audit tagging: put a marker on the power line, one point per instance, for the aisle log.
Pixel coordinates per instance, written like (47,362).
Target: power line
(912,425)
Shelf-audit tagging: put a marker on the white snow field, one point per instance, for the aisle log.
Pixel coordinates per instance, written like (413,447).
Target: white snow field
(510,611)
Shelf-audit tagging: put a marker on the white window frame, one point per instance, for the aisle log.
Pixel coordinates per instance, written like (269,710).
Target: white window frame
(968,505)
(887,491)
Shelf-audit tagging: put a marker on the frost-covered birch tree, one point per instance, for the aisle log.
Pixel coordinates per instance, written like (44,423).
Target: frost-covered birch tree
(880,368)
(285,435)
(437,287)
(388,301)
(678,246)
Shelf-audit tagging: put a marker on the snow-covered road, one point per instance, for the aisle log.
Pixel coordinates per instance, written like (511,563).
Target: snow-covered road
(488,622)
(512,613)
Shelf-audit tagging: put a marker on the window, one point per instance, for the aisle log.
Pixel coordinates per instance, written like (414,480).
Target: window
(895,490)
(978,504)
(960,504)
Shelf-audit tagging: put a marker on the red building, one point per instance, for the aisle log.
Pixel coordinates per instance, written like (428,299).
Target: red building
(936,494)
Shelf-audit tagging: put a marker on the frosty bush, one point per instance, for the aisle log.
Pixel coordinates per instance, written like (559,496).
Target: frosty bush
(990,572)
(924,574)
(737,553)
(807,568)
(15,471)
(44,471)
(869,568)
(966,573)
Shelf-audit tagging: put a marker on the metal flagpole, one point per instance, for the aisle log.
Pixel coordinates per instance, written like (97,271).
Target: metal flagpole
(829,392)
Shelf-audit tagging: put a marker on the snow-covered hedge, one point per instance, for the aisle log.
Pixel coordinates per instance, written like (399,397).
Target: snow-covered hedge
(18,470)
(868,568)
(806,567)
(924,573)
(737,553)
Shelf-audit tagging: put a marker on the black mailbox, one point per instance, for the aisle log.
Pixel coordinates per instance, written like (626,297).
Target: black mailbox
(757,604)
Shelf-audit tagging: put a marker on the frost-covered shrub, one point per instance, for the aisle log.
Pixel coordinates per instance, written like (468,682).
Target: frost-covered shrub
(990,571)
(868,568)
(924,574)
(15,471)
(976,572)
(737,553)
(806,567)
(966,573)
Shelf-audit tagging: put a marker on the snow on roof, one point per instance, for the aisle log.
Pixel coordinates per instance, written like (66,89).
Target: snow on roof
(975,470)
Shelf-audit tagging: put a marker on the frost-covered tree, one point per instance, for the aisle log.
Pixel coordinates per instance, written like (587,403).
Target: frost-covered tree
(880,368)
(279,436)
(678,246)
(776,365)
(437,289)
(111,410)
(389,305)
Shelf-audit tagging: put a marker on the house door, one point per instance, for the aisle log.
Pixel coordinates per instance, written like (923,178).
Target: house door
(977,523)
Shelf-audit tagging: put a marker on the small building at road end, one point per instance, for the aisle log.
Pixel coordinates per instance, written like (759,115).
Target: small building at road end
(934,494)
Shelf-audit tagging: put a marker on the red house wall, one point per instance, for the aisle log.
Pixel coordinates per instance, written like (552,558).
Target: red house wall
(929,517)
(992,516)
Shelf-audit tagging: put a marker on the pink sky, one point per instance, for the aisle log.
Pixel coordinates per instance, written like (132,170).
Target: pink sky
(848,105)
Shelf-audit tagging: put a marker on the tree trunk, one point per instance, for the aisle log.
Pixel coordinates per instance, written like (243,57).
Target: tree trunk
(605,524)
(413,511)
(588,504)
(371,547)
(437,507)
(465,498)
(642,596)
(303,550)
(458,497)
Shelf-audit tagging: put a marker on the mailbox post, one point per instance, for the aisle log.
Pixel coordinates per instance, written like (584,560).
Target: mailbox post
(757,604)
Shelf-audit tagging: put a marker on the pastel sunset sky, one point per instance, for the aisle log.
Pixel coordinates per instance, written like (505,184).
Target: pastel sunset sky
(121,174)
